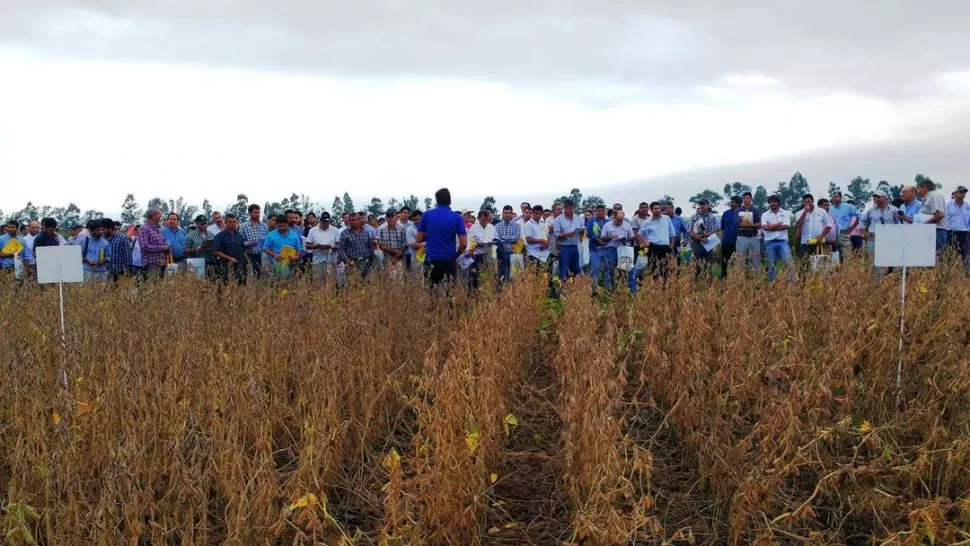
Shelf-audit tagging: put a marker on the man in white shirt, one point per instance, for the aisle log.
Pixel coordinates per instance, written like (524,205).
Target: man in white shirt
(775,223)
(536,237)
(217,225)
(616,233)
(321,241)
(484,236)
(933,210)
(812,226)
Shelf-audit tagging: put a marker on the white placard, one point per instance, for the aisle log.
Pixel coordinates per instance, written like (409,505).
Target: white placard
(59,264)
(910,245)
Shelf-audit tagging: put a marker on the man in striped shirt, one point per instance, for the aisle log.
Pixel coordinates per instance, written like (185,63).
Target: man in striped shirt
(254,232)
(154,249)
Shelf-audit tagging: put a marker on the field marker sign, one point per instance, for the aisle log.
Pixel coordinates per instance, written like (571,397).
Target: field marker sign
(59,264)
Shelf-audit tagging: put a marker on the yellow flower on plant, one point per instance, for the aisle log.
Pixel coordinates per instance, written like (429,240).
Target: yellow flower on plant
(305,501)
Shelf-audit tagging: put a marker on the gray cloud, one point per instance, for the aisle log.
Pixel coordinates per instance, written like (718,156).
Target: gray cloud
(640,49)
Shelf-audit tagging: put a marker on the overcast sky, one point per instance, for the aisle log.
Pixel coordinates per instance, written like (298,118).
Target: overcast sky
(626,99)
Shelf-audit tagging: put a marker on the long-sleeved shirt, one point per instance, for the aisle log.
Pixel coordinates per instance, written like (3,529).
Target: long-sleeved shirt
(958,216)
(154,249)
(355,245)
(508,234)
(176,241)
(482,235)
(253,234)
(594,230)
(658,231)
(194,240)
(120,251)
(679,228)
(730,224)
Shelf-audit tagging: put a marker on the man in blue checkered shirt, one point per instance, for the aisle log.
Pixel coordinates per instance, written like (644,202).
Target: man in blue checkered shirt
(509,233)
(254,233)
(119,250)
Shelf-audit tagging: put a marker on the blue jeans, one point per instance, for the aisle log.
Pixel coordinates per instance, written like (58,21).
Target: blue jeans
(504,265)
(942,239)
(599,262)
(569,261)
(779,251)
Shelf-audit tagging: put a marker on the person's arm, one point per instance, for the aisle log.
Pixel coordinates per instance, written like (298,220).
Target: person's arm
(826,228)
(268,249)
(938,215)
(462,243)
(854,222)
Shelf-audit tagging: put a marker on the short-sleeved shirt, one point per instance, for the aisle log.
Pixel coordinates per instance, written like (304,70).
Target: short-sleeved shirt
(623,234)
(176,241)
(658,231)
(356,245)
(843,215)
(194,240)
(771,218)
(231,243)
(320,236)
(814,223)
(875,216)
(441,226)
(94,250)
(703,223)
(594,229)
(568,225)
(482,235)
(755,219)
(253,234)
(396,237)
(934,202)
(637,223)
(275,240)
(957,216)
(535,230)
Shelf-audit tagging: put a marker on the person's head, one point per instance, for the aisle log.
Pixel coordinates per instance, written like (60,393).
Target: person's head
(908,193)
(960,194)
(644,208)
(108,227)
(95,228)
(217,218)
(33,227)
(735,201)
(654,208)
(325,220)
(808,201)
(23,230)
(271,222)
(343,217)
(10,228)
(200,222)
(507,213)
(416,215)
(253,212)
(154,216)
(600,212)
(617,207)
(536,213)
(232,222)
(703,206)
(556,208)
(823,204)
(774,203)
(283,222)
(483,217)
(391,217)
(172,220)
(746,199)
(588,215)
(291,217)
(836,198)
(669,209)
(74,230)
(879,197)
(311,218)
(568,207)
(372,220)
(49,226)
(404,214)
(467,216)
(618,217)
(925,186)
(678,211)
(525,208)
(443,197)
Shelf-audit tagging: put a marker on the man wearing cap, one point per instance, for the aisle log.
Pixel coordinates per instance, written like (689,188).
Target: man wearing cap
(881,213)
(393,241)
(846,219)
(229,247)
(198,244)
(321,241)
(703,224)
(566,229)
(958,223)
(933,210)
(440,227)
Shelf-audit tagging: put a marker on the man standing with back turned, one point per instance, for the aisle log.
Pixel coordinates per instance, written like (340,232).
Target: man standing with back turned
(440,227)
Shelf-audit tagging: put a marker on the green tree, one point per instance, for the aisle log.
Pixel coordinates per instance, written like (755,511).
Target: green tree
(667,199)
(919,178)
(735,188)
(157,203)
(428,202)
(488,204)
(713,198)
(207,208)
(91,215)
(860,190)
(393,203)
(348,205)
(833,187)
(240,207)
(130,211)
(185,211)
(376,207)
(67,216)
(27,214)
(760,198)
(411,202)
(337,210)
(790,194)
(894,192)
(591,201)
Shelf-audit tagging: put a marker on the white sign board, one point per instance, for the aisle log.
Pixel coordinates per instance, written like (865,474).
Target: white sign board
(59,264)
(910,245)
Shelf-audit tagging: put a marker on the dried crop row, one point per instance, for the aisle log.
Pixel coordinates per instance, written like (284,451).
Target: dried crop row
(601,464)
(187,415)
(438,491)
(786,396)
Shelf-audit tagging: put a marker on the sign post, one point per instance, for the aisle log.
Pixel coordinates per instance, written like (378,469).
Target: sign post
(59,264)
(905,246)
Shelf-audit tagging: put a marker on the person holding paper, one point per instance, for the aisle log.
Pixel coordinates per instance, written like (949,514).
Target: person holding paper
(322,240)
(198,244)
(566,228)
(882,213)
(616,233)
(598,249)
(703,238)
(509,233)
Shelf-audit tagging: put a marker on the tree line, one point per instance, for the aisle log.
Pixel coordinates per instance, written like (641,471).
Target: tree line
(858,189)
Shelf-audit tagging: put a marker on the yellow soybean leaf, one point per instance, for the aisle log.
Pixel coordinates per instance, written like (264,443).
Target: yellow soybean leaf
(923,289)
(304,502)
(865,427)
(493,530)
(471,438)
(393,459)
(510,421)
(56,416)
(493,477)
(284,292)
(84,408)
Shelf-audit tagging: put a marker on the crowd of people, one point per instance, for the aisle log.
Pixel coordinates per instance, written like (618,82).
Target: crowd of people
(440,245)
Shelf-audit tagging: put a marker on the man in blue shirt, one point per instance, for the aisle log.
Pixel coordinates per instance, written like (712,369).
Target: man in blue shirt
(8,260)
(846,219)
(283,237)
(175,237)
(567,227)
(440,227)
(95,253)
(599,248)
(730,224)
